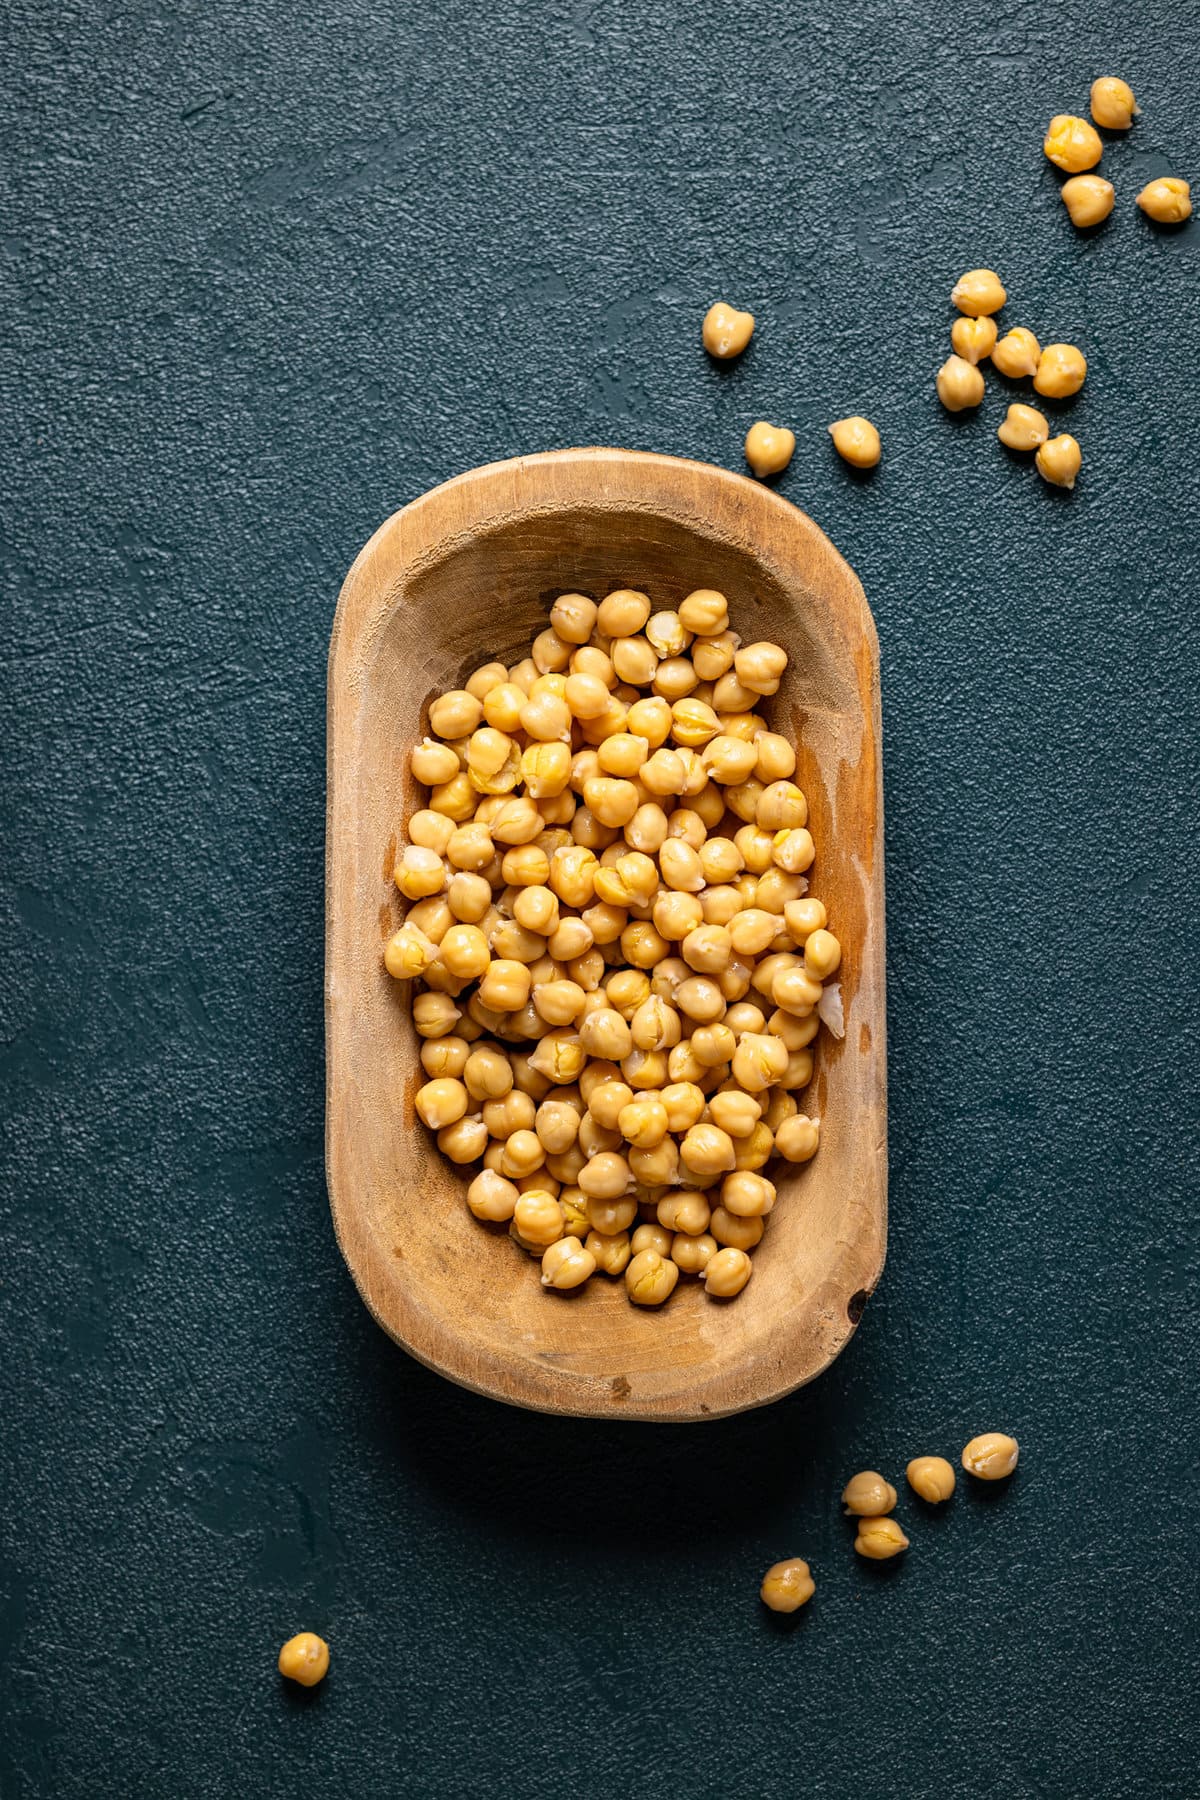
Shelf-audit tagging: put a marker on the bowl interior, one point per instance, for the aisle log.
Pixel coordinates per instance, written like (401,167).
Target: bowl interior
(461,1295)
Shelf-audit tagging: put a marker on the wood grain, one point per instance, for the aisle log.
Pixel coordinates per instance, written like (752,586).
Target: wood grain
(466,573)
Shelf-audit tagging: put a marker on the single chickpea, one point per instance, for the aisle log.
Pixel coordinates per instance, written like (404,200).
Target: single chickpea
(485,678)
(610,1251)
(643,1122)
(683,1066)
(747,1195)
(657,1168)
(793,851)
(733,1232)
(973,339)
(409,953)
(776,757)
(726,1273)
(712,1045)
(743,1017)
(856,440)
(502,706)
(587,696)
(713,654)
(1088,199)
(787,1586)
(622,754)
(432,763)
(655,1024)
(755,1151)
(419,873)
(1059,460)
(546,717)
(707,1150)
(684,1211)
(465,952)
(487,1073)
(798,1138)
(879,1539)
(759,1061)
(726,332)
(523,1151)
(680,866)
(454,714)
(1024,428)
(694,724)
(692,1254)
(538,1217)
(822,955)
(720,905)
(444,1056)
(567,1264)
(505,985)
(557,1126)
(627,991)
(708,949)
(650,1278)
(769,448)
(1061,371)
(517,822)
(550,653)
(611,801)
(605,1176)
(546,770)
(635,660)
(605,1033)
(932,1477)
(781,807)
(867,1495)
(558,1002)
(959,384)
(432,831)
(666,632)
(435,1015)
(676,914)
(1113,104)
(674,678)
(1072,144)
(645,1069)
(1168,201)
(992,1457)
(305,1658)
(700,999)
(729,760)
(978,293)
(622,613)
(573,617)
(684,1103)
(751,931)
(759,667)
(573,875)
(650,719)
(463,1142)
(492,1198)
(705,612)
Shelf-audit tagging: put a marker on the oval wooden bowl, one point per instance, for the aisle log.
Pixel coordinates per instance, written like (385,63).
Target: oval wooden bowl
(468,573)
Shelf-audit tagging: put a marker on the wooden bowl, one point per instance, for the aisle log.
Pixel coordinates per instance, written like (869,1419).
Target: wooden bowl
(466,574)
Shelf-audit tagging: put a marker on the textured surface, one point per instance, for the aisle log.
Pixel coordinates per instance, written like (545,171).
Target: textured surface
(267,276)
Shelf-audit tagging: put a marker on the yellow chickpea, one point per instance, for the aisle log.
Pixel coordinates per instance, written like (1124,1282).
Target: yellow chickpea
(973,339)
(726,331)
(991,1457)
(707,1150)
(932,1478)
(573,875)
(567,1264)
(734,1112)
(1072,144)
(704,612)
(463,1142)
(454,714)
(610,1215)
(433,763)
(439,1103)
(650,1278)
(305,1659)
(1024,428)
(492,1198)
(781,807)
(623,613)
(538,1217)
(759,1061)
(1061,371)
(684,1103)
(487,1073)
(431,830)
(700,999)
(684,1211)
(1112,103)
(769,448)
(505,985)
(1059,460)
(465,952)
(502,706)
(822,955)
(959,384)
(879,1539)
(793,851)
(435,1015)
(726,1273)
(444,1056)
(787,1586)
(713,654)
(517,822)
(868,1496)
(485,678)
(760,667)
(1168,201)
(551,654)
(573,617)
(747,1195)
(523,1152)
(978,293)
(611,1251)
(1088,199)
(419,873)
(643,1122)
(776,757)
(409,953)
(729,759)
(798,1138)
(733,1232)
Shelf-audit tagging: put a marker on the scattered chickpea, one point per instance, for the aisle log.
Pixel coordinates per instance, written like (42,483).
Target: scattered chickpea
(1089,199)
(959,384)
(1024,428)
(1113,104)
(1168,201)
(769,448)
(305,1658)
(857,441)
(867,1495)
(1072,144)
(787,1586)
(973,339)
(1017,353)
(879,1539)
(931,1477)
(979,293)
(1059,460)
(1061,371)
(727,331)
(991,1457)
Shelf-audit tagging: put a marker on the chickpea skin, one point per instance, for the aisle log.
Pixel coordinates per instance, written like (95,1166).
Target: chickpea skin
(305,1659)
(979,293)
(1059,460)
(932,1478)
(726,332)
(1089,199)
(1017,353)
(857,441)
(1024,428)
(959,384)
(787,1586)
(1168,201)
(1061,371)
(769,448)
(867,1495)
(879,1539)
(1072,144)
(1113,104)
(726,1273)
(991,1457)
(650,1278)
(973,339)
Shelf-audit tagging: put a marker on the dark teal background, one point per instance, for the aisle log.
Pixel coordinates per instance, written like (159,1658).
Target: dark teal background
(270,272)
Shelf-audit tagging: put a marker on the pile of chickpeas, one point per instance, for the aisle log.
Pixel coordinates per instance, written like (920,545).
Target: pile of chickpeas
(620,971)
(869,1499)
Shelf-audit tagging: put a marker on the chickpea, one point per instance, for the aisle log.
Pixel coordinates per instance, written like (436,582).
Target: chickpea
(567,1264)
(787,1586)
(1072,144)
(626,991)
(502,706)
(707,1150)
(713,654)
(622,613)
(729,759)
(551,654)
(645,1069)
(973,339)
(769,448)
(557,1126)
(455,714)
(705,613)
(681,867)
(712,1045)
(701,999)
(726,332)
(759,1061)
(485,678)
(684,1103)
(465,952)
(409,953)
(419,873)
(726,1273)
(605,1033)
(760,667)
(684,1211)
(674,678)
(747,1195)
(959,384)
(492,1198)
(720,905)
(1088,199)
(683,1066)
(733,1232)
(573,875)
(622,754)
(676,914)
(610,801)
(610,1251)
(793,851)
(655,1025)
(822,955)
(991,1457)
(432,763)
(507,1114)
(867,1495)
(435,1015)
(643,1122)
(560,1057)
(463,1142)
(635,660)
(1059,460)
(1168,201)
(444,1056)
(650,1278)
(694,724)
(517,822)
(879,1539)
(610,1216)
(558,1002)
(305,1659)
(665,631)
(657,1168)
(932,1477)
(1113,104)
(1061,371)
(431,830)
(781,807)
(487,1073)
(708,949)
(797,1138)
(978,293)
(1024,428)
(538,1217)
(692,1254)
(604,1176)
(743,1017)
(573,617)
(751,931)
